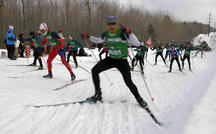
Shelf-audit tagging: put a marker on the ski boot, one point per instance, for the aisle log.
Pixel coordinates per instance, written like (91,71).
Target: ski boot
(142,103)
(95,98)
(73,76)
(76,65)
(49,75)
(32,64)
(169,71)
(180,70)
(40,68)
(142,72)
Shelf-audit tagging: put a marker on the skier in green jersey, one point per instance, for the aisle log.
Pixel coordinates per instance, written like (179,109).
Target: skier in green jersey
(117,42)
(139,57)
(187,52)
(73,45)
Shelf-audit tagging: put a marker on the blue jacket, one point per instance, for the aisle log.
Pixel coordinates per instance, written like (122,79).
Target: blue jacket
(10,38)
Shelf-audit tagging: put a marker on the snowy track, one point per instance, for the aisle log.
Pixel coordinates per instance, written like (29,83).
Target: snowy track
(175,94)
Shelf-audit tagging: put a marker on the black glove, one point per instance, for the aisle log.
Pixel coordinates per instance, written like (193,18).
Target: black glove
(125,30)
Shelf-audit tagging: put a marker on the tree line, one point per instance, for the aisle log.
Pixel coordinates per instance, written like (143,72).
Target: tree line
(77,16)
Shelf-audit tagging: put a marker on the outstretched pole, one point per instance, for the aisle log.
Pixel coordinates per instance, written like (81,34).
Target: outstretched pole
(144,79)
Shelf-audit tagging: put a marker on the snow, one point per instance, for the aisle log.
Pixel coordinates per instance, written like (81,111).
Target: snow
(184,102)
(211,39)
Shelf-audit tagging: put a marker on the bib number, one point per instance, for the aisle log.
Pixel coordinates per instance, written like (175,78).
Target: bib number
(115,52)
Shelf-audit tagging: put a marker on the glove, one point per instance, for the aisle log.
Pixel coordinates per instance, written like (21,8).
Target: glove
(84,35)
(125,30)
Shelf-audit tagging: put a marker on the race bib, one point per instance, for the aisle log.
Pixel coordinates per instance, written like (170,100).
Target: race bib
(115,52)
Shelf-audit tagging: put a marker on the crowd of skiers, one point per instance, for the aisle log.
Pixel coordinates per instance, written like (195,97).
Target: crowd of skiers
(114,43)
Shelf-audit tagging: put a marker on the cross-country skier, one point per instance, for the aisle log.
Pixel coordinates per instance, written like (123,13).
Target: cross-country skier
(72,47)
(159,52)
(58,49)
(117,41)
(187,51)
(201,48)
(174,56)
(36,40)
(139,57)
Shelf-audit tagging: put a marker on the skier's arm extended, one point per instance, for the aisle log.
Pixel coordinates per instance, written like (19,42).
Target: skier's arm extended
(133,40)
(97,40)
(130,37)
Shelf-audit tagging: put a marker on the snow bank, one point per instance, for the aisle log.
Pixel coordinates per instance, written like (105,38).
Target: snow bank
(211,39)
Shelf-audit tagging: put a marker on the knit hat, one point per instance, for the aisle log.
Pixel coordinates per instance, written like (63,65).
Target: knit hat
(43,26)
(111,18)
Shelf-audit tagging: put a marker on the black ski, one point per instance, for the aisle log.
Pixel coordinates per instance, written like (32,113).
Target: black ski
(68,84)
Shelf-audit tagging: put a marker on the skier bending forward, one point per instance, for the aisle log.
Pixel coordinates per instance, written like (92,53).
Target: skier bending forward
(116,43)
(58,48)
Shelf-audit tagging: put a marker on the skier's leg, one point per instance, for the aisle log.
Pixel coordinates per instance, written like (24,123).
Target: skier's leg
(183,61)
(177,60)
(166,54)
(188,59)
(133,60)
(75,59)
(124,68)
(68,56)
(51,56)
(101,66)
(156,58)
(141,64)
(171,62)
(67,65)
(161,54)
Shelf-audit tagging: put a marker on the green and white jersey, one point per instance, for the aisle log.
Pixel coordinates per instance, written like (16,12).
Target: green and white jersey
(117,43)
(117,47)
(53,42)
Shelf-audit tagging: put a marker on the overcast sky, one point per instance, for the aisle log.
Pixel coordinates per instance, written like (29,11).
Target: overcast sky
(189,10)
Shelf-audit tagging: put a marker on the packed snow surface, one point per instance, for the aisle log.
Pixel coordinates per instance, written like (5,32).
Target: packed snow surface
(184,102)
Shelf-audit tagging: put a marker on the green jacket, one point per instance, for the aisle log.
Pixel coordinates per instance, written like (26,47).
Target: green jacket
(74,44)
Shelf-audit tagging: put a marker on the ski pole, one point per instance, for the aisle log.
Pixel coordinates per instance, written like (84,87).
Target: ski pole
(44,61)
(79,66)
(144,79)
(82,68)
(149,62)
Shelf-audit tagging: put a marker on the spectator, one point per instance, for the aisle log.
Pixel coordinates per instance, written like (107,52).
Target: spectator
(10,42)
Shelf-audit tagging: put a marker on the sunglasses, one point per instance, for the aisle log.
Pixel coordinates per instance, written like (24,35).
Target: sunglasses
(111,23)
